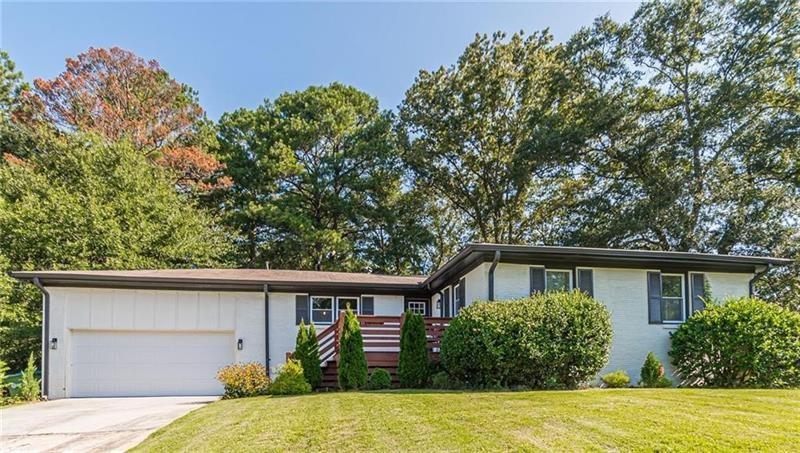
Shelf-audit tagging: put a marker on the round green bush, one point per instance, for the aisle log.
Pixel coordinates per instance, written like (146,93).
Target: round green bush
(742,342)
(551,340)
(290,380)
(380,379)
(616,379)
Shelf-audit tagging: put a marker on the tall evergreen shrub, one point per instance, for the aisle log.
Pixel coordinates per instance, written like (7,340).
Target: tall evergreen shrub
(413,367)
(352,359)
(311,363)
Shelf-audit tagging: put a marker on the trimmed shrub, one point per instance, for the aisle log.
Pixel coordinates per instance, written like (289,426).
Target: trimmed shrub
(413,366)
(380,379)
(743,342)
(551,340)
(616,379)
(241,380)
(306,351)
(30,387)
(442,381)
(352,360)
(652,374)
(290,380)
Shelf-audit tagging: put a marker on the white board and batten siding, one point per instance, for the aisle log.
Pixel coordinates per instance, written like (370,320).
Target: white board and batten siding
(125,342)
(624,293)
(120,342)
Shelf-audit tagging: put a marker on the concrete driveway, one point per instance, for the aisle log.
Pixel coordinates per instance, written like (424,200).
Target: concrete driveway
(90,424)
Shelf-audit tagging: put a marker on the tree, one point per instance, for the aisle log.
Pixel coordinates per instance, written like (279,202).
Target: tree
(11,85)
(120,96)
(699,148)
(84,203)
(413,364)
(30,386)
(352,359)
(306,352)
(316,184)
(488,134)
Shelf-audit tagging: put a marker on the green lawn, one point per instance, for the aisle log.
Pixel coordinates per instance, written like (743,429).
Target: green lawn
(628,419)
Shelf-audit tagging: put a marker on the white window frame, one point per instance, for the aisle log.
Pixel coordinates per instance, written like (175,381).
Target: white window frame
(569,278)
(332,309)
(683,298)
(358,304)
(415,302)
(578,269)
(454,306)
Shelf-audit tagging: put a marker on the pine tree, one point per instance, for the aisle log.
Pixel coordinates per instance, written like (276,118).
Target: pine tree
(413,367)
(352,360)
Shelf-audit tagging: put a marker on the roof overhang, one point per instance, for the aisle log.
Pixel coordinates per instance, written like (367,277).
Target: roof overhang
(59,279)
(475,254)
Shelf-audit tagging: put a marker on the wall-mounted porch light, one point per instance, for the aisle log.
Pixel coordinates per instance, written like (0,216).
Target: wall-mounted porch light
(54,343)
(240,344)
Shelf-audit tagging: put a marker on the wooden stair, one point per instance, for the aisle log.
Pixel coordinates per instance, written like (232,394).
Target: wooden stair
(381,344)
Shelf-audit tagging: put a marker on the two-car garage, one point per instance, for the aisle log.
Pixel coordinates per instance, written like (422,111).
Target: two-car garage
(131,342)
(149,363)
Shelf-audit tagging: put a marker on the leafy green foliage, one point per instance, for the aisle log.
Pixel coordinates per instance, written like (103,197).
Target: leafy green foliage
(616,379)
(551,340)
(652,374)
(379,379)
(85,204)
(443,381)
(244,379)
(741,343)
(412,365)
(317,184)
(30,386)
(3,384)
(352,359)
(290,380)
(306,352)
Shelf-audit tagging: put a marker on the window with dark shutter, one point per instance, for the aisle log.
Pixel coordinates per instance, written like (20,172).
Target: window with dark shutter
(461,295)
(586,281)
(654,297)
(446,302)
(367,305)
(537,280)
(301,309)
(698,292)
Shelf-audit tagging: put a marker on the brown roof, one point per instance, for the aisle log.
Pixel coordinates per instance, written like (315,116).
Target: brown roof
(232,275)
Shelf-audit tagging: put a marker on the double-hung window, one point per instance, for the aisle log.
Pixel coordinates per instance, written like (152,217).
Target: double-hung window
(672,298)
(347,302)
(322,309)
(557,280)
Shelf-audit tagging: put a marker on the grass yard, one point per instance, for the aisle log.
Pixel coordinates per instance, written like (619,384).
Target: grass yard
(625,419)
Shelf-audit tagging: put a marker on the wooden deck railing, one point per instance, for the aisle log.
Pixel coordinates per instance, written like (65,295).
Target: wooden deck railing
(381,334)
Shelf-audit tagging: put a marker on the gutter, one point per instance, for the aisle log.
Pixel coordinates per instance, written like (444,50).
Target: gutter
(491,274)
(758,276)
(266,327)
(45,336)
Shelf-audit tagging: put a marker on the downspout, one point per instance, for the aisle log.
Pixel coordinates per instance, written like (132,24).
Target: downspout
(45,337)
(491,274)
(757,276)
(266,327)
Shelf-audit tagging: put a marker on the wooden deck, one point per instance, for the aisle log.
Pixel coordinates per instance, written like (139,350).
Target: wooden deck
(381,344)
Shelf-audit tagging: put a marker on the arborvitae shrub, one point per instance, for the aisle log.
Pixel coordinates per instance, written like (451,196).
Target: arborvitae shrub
(652,374)
(352,359)
(311,364)
(413,366)
(29,389)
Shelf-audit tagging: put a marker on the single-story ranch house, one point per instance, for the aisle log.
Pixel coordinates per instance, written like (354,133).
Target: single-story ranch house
(167,332)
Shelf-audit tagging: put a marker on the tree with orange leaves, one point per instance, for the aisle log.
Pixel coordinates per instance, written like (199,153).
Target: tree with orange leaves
(120,96)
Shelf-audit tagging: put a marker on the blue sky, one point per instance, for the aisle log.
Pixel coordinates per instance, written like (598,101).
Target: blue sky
(237,54)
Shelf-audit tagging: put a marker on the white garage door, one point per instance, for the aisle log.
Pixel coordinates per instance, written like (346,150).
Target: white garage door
(148,363)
